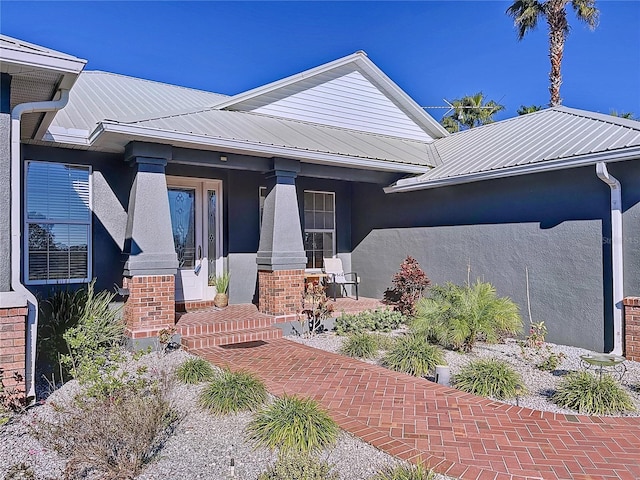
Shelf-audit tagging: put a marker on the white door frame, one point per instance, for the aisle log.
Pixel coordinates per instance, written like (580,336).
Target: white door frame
(202,186)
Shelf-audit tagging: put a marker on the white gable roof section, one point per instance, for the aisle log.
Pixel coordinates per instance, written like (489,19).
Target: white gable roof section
(350,93)
(551,139)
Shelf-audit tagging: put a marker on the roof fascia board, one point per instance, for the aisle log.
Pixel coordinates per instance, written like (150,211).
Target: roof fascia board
(191,140)
(41,60)
(269,87)
(361,60)
(408,185)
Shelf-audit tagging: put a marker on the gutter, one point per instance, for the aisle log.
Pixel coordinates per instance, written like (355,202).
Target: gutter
(415,183)
(617,259)
(245,147)
(16,257)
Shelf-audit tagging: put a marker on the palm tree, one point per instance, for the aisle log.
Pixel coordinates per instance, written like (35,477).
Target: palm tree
(524,109)
(627,115)
(526,14)
(471,111)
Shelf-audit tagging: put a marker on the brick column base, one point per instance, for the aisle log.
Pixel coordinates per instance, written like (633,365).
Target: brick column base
(13,354)
(151,305)
(280,292)
(632,328)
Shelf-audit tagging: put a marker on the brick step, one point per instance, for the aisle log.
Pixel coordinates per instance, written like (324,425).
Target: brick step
(190,343)
(206,326)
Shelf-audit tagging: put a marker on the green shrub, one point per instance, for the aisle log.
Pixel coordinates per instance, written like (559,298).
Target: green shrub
(550,363)
(232,392)
(383,320)
(457,316)
(294,425)
(405,472)
(489,378)
(360,345)
(299,467)
(414,355)
(409,283)
(58,313)
(195,370)
(591,394)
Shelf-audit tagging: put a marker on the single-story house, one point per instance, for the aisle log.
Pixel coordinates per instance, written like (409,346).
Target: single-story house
(157,189)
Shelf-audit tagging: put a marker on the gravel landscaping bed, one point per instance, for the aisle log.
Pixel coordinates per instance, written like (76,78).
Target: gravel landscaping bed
(539,384)
(202,445)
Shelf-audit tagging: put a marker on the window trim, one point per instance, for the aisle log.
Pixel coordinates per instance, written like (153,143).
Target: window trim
(321,230)
(26,222)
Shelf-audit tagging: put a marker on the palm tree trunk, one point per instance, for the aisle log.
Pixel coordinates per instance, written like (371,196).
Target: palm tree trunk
(558,28)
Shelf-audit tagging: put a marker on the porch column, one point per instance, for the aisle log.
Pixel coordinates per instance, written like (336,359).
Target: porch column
(149,272)
(281,258)
(632,328)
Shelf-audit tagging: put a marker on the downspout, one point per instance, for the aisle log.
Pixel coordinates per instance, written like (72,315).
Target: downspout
(16,257)
(616,253)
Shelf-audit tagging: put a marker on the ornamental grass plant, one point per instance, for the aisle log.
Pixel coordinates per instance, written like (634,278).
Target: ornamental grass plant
(195,370)
(360,345)
(593,395)
(299,467)
(293,425)
(232,392)
(405,472)
(489,378)
(414,355)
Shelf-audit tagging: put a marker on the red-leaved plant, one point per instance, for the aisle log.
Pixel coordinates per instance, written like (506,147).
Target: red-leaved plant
(409,284)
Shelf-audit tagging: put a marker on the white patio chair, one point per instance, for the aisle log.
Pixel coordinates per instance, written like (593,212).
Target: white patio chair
(337,276)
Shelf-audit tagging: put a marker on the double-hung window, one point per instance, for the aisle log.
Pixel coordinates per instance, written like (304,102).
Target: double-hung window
(57,223)
(319,227)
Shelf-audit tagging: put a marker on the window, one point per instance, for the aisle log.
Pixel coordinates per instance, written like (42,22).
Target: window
(57,223)
(319,227)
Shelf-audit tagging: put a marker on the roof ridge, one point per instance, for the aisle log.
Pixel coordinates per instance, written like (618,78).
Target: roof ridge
(603,117)
(104,72)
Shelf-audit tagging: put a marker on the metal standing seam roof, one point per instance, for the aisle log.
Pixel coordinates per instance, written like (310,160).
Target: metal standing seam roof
(99,96)
(553,134)
(275,131)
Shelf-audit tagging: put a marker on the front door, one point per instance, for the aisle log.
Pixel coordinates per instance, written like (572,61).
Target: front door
(195,220)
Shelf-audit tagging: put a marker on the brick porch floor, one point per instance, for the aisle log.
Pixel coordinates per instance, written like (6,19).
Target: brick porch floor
(462,435)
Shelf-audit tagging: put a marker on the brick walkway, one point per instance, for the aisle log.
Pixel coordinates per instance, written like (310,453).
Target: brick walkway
(462,435)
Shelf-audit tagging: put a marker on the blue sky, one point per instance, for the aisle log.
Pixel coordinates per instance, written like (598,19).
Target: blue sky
(431,49)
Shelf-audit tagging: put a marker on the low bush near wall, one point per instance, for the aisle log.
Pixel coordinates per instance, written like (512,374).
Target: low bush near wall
(94,343)
(409,284)
(489,378)
(457,316)
(591,394)
(372,320)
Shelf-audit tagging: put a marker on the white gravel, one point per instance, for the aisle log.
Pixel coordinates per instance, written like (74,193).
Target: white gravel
(539,384)
(203,445)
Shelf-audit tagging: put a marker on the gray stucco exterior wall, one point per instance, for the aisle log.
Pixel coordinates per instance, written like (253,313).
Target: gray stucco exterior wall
(555,224)
(5,202)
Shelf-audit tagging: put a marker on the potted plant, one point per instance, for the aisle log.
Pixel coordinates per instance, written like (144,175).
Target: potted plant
(222,285)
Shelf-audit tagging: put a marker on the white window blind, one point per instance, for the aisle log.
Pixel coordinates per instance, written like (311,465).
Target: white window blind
(58,223)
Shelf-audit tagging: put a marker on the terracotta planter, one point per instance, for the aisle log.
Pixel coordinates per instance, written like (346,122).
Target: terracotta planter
(221,300)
